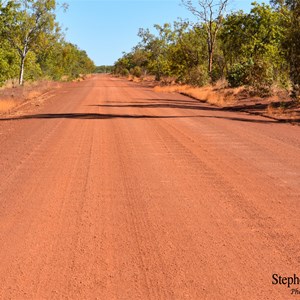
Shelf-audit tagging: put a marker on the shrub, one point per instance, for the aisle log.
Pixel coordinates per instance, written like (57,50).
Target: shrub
(257,74)
(238,74)
(136,71)
(296,92)
(124,72)
(197,76)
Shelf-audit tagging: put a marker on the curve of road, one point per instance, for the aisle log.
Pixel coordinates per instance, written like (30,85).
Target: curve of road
(112,191)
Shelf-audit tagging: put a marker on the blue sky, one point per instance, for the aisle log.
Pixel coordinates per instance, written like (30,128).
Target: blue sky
(106,28)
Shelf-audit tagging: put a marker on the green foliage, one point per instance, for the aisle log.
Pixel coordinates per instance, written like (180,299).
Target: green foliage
(33,70)
(136,71)
(291,11)
(124,64)
(197,76)
(210,17)
(8,66)
(124,72)
(258,49)
(238,73)
(104,69)
(156,49)
(252,48)
(173,51)
(25,22)
(30,40)
(188,50)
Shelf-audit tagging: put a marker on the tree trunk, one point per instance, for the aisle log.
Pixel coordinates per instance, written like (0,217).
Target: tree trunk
(210,63)
(21,77)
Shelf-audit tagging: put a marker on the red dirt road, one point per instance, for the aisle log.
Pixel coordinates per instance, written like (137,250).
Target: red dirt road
(112,191)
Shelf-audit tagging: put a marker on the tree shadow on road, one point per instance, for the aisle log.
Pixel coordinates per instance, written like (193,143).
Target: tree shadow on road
(254,109)
(177,105)
(99,116)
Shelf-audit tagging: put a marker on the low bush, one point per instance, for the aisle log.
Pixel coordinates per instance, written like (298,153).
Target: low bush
(136,71)
(197,76)
(124,72)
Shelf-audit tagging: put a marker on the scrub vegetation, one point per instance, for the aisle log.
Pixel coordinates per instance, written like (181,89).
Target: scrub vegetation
(258,49)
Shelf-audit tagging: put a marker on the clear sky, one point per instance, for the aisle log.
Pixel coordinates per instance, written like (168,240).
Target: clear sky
(106,28)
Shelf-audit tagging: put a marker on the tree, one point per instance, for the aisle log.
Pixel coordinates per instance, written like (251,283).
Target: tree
(187,54)
(177,50)
(157,49)
(210,14)
(251,44)
(103,69)
(294,49)
(25,22)
(8,59)
(290,10)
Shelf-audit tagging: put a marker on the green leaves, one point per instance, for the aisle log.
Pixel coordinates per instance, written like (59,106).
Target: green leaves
(259,49)
(252,46)
(171,51)
(8,67)
(291,44)
(33,41)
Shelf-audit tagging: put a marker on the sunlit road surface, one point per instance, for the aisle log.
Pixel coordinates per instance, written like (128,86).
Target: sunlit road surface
(113,191)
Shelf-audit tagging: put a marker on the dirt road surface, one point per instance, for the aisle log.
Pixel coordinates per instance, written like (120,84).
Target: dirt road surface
(112,191)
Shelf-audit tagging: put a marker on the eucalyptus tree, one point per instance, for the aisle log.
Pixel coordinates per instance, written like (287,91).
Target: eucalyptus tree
(25,23)
(210,16)
(157,47)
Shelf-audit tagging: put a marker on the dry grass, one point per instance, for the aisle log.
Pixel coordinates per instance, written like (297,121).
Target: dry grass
(148,78)
(9,84)
(284,110)
(134,79)
(7,104)
(278,105)
(80,78)
(212,94)
(273,111)
(12,95)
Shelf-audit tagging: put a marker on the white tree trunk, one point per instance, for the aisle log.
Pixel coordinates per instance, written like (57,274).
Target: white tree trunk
(21,77)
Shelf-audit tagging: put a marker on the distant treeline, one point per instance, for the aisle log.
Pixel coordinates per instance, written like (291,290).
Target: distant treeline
(104,69)
(32,45)
(260,49)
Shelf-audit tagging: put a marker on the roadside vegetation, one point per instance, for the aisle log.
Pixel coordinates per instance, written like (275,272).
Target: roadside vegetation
(104,69)
(258,50)
(32,44)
